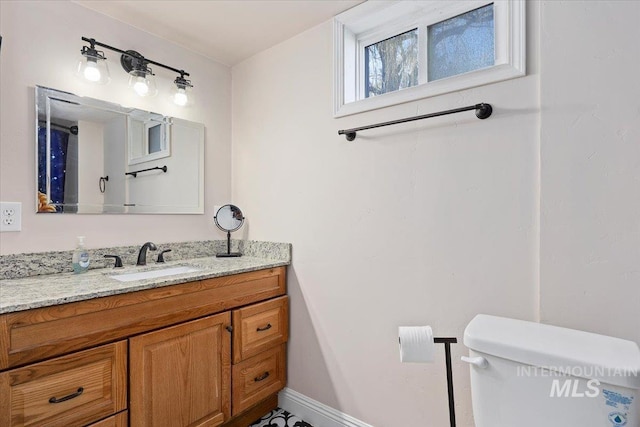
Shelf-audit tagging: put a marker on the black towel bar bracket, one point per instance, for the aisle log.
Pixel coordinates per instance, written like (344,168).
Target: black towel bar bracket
(483,111)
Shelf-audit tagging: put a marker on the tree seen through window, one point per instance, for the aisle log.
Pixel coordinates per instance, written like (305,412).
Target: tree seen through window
(392,64)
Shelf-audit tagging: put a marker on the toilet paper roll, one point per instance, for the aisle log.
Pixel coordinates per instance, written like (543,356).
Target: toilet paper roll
(416,344)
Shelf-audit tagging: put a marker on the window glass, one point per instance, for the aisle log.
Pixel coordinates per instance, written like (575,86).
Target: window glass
(461,44)
(155,139)
(391,64)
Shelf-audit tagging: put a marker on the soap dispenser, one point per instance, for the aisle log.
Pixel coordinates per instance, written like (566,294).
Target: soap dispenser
(80,259)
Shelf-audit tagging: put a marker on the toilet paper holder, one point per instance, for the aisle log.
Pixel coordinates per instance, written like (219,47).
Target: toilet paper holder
(417,342)
(447,354)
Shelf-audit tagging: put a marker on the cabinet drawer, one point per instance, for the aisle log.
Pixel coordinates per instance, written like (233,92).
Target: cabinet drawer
(118,420)
(72,390)
(260,327)
(258,377)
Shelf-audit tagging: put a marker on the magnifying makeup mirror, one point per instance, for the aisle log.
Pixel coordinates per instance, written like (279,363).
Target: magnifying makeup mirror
(229,218)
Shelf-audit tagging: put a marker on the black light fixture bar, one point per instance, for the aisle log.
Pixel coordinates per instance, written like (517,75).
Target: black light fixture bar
(94,42)
(483,111)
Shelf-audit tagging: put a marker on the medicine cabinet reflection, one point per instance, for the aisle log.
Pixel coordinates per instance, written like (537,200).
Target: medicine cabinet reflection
(99,157)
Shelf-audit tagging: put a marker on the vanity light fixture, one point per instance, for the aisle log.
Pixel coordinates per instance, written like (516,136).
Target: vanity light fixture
(93,68)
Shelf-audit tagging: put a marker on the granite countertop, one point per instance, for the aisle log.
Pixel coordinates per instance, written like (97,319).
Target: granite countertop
(26,293)
(54,289)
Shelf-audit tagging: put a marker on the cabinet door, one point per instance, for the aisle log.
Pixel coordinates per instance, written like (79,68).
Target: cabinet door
(180,376)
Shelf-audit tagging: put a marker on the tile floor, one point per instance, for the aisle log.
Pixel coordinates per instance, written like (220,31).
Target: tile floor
(280,418)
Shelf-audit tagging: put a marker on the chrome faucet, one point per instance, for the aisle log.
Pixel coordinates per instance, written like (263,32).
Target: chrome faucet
(142,255)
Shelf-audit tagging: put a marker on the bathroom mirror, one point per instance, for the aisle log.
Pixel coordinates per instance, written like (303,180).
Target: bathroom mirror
(97,157)
(229,218)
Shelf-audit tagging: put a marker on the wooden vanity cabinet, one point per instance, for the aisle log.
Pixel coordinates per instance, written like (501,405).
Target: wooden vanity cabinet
(158,357)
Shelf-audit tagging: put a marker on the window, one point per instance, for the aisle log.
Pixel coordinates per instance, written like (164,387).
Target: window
(393,52)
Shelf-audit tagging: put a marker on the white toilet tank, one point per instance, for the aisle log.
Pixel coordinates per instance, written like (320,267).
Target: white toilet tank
(526,374)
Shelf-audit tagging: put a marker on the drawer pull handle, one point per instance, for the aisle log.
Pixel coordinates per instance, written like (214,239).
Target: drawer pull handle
(65,398)
(262,377)
(266,328)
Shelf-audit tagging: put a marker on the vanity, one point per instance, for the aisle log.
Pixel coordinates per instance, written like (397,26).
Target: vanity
(204,348)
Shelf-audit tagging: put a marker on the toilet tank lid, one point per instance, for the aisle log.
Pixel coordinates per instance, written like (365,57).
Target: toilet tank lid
(578,353)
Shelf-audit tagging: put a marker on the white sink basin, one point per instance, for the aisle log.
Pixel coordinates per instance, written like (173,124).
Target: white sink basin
(154,274)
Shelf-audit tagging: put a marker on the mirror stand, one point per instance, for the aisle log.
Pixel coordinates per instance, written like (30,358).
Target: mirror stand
(228,254)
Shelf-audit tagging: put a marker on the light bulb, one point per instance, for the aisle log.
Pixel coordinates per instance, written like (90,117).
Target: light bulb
(142,83)
(140,86)
(180,98)
(91,71)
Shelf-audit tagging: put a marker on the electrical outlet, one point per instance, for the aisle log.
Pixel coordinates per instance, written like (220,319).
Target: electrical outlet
(10,216)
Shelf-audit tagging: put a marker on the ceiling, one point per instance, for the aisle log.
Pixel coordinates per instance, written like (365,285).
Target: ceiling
(227,31)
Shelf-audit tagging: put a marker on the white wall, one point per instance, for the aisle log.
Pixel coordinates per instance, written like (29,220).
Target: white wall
(40,46)
(424,223)
(590,145)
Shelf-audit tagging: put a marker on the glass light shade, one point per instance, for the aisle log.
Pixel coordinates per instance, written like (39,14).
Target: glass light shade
(182,95)
(142,83)
(93,70)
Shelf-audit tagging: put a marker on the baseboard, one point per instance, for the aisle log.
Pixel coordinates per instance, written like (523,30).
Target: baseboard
(314,412)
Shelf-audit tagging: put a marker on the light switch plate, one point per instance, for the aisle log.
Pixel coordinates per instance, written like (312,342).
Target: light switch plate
(10,216)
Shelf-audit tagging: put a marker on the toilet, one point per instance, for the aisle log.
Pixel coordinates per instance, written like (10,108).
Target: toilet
(527,374)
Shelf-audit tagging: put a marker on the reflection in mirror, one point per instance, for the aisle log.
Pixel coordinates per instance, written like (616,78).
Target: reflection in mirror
(148,137)
(229,218)
(98,157)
